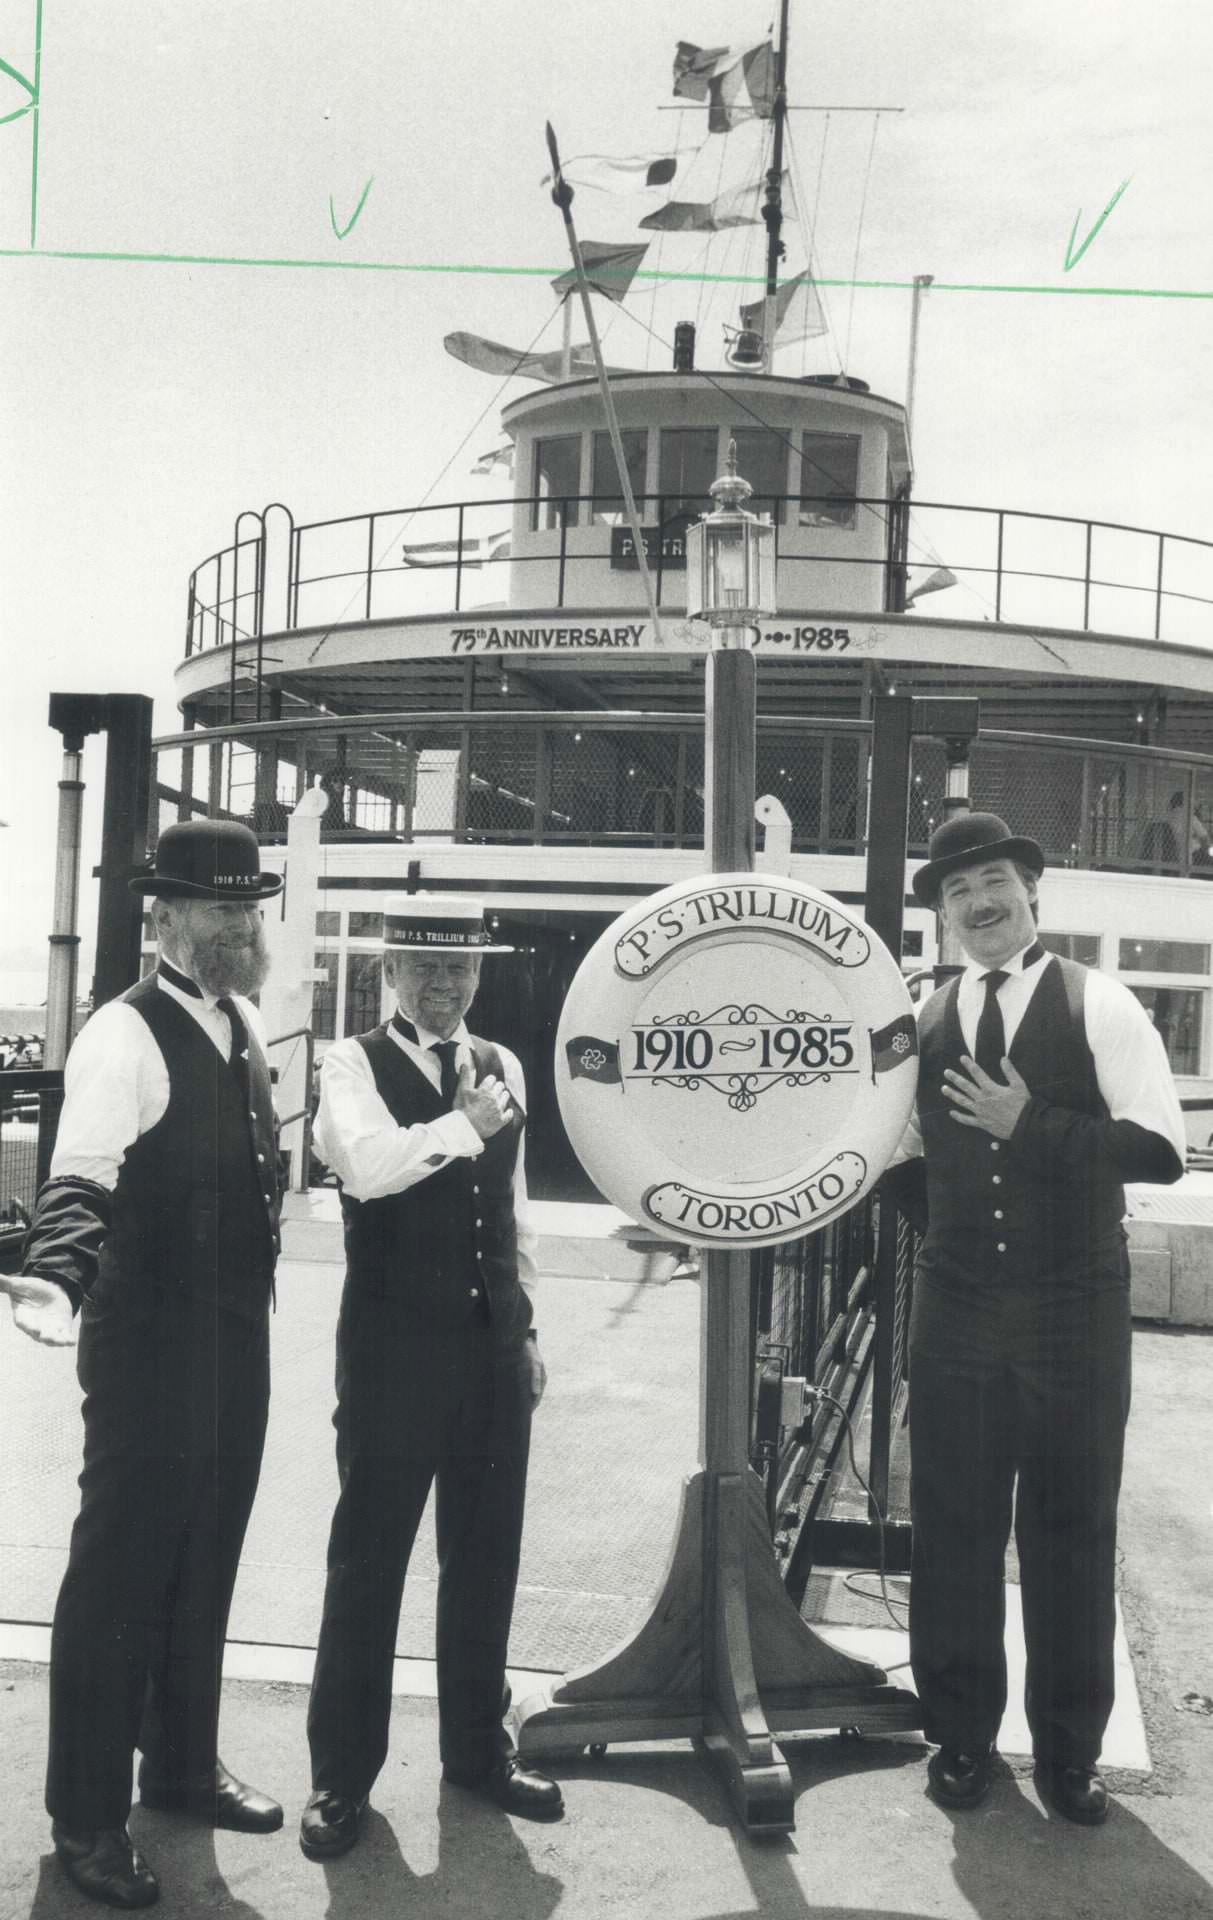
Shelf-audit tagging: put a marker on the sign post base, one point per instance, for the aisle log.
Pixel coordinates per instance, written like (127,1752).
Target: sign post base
(723,1658)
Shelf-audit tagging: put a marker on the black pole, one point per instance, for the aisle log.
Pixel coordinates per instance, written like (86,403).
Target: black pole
(128,772)
(772,208)
(888,813)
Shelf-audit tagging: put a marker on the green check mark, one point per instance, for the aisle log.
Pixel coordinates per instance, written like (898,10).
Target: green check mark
(352,221)
(30,88)
(1072,259)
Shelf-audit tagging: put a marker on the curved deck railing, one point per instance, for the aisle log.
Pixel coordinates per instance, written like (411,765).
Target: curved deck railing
(636,779)
(1010,564)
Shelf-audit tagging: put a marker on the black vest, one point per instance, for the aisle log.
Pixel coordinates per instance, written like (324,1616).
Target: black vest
(444,1253)
(994,1219)
(196,1203)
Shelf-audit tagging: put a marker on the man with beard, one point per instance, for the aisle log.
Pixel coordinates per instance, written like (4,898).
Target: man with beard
(159,1224)
(1042,1089)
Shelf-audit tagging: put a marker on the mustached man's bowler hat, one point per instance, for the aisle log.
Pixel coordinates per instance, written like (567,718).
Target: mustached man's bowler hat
(436,923)
(206,860)
(966,840)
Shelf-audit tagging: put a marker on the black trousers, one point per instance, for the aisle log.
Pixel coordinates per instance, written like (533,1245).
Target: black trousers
(176,1399)
(1018,1402)
(415,1409)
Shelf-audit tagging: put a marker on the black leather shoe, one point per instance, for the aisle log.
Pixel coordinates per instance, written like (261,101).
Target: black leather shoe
(218,1797)
(330,1825)
(106,1866)
(513,1787)
(960,1779)
(1076,1792)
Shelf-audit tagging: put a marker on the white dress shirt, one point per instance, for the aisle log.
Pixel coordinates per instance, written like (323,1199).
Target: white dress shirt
(1131,1066)
(373,1156)
(116,1083)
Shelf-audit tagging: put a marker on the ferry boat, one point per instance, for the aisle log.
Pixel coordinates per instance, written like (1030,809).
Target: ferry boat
(489,702)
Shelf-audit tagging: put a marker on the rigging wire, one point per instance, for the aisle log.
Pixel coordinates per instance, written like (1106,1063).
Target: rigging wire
(859,233)
(435,482)
(704,282)
(812,251)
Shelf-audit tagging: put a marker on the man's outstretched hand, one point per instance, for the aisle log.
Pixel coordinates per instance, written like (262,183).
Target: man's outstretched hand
(40,1308)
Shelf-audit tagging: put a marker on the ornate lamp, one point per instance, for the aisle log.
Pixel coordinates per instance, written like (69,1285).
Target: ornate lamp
(731,560)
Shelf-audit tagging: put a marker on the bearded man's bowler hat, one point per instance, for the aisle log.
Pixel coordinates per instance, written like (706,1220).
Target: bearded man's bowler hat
(206,860)
(436,923)
(966,840)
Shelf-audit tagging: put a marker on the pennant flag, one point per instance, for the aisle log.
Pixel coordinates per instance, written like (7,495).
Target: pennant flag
(622,173)
(894,1044)
(738,83)
(444,553)
(741,207)
(497,457)
(489,356)
(591,1059)
(609,268)
(798,312)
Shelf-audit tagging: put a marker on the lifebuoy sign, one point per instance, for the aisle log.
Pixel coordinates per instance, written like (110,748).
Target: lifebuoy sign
(736,1060)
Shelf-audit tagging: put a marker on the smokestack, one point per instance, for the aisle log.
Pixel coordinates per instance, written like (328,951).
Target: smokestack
(684,347)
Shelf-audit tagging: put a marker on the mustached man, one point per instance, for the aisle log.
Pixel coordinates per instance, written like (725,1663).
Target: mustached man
(1043,1087)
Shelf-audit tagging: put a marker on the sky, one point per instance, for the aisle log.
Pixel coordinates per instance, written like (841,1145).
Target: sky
(144,403)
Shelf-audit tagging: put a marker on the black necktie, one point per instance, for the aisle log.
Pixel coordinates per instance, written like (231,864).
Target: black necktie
(238,1058)
(446,1050)
(991,1034)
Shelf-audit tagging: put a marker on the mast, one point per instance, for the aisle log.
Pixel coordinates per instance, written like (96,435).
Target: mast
(772,206)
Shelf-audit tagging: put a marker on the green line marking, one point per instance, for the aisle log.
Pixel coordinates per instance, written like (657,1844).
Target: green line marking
(1072,260)
(37,94)
(342,231)
(19,115)
(547,273)
(21,82)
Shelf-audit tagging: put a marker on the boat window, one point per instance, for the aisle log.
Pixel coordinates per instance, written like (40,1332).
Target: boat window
(1084,947)
(328,924)
(363,991)
(366,926)
(829,479)
(1164,956)
(686,469)
(762,459)
(1178,1016)
(557,480)
(606,508)
(324,996)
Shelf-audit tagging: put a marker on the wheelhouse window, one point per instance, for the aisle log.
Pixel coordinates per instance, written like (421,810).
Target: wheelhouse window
(606,507)
(762,459)
(686,469)
(829,479)
(557,481)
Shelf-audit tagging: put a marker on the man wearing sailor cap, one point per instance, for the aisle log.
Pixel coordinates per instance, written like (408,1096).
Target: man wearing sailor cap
(159,1225)
(438,1370)
(1042,1089)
